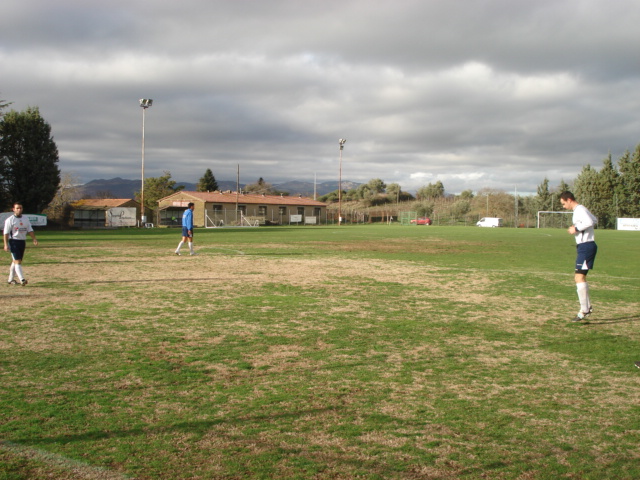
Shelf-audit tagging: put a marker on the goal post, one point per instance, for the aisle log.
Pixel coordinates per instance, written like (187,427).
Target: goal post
(212,223)
(406,217)
(551,219)
(248,221)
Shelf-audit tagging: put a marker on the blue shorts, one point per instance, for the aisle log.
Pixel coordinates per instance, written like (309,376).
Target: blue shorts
(185,232)
(17,248)
(585,257)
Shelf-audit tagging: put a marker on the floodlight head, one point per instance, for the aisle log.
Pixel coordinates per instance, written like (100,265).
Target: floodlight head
(341,142)
(146,102)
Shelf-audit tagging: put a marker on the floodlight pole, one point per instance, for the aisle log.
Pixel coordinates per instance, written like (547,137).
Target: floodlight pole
(144,103)
(341,142)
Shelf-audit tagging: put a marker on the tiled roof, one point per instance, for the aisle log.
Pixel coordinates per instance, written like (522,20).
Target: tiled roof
(244,198)
(101,202)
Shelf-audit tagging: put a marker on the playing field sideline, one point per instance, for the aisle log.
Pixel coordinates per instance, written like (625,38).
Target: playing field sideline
(345,352)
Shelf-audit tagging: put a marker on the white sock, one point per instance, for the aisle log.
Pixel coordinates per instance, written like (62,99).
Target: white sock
(19,271)
(12,271)
(191,247)
(179,246)
(583,296)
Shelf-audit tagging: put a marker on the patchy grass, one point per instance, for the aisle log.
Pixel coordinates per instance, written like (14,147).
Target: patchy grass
(370,352)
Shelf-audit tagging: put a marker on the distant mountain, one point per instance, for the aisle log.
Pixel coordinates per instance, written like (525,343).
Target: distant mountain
(123,188)
(113,188)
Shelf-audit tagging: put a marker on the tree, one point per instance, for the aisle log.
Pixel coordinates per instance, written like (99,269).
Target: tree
(260,186)
(29,170)
(543,199)
(377,185)
(69,190)
(425,208)
(207,183)
(607,186)
(156,188)
(466,195)
(330,197)
(3,105)
(460,208)
(394,191)
(4,199)
(395,194)
(585,188)
(628,192)
(435,190)
(555,196)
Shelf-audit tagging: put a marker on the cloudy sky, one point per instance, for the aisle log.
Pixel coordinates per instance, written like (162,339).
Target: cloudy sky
(475,93)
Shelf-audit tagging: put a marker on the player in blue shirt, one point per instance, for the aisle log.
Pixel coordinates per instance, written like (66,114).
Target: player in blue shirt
(187,229)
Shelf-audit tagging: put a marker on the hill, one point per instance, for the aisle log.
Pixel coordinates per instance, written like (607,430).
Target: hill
(124,188)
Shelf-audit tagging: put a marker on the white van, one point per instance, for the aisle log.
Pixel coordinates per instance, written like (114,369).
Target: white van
(489,222)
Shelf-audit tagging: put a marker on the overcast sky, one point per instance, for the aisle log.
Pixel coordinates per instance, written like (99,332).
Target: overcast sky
(476,93)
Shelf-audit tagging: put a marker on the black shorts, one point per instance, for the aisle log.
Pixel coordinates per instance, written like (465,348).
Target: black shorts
(586,256)
(17,248)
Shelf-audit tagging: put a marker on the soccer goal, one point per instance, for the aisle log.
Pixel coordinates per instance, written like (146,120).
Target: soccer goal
(549,219)
(213,223)
(249,221)
(407,216)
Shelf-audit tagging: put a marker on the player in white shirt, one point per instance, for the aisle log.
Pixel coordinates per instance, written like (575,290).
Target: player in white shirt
(16,228)
(583,227)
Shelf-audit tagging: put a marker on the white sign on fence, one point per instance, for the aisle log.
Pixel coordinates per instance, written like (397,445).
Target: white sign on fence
(310,220)
(121,217)
(36,219)
(295,218)
(628,224)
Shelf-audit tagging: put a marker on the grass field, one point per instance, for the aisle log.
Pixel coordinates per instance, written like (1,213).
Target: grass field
(373,352)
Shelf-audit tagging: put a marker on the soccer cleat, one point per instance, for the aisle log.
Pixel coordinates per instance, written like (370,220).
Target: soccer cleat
(582,315)
(177,253)
(637,364)
(194,253)
(11,282)
(23,282)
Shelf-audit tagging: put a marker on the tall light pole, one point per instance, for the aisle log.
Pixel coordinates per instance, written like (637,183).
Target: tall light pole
(341,142)
(144,103)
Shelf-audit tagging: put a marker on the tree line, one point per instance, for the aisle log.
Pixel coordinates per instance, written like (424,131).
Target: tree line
(610,193)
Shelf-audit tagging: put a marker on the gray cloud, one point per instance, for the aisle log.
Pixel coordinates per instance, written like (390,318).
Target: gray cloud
(482,94)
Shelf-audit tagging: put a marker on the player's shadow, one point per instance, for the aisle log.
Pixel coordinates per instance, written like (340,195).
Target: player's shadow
(178,427)
(611,321)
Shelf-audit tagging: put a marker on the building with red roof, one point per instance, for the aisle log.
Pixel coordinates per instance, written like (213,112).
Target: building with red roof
(237,208)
